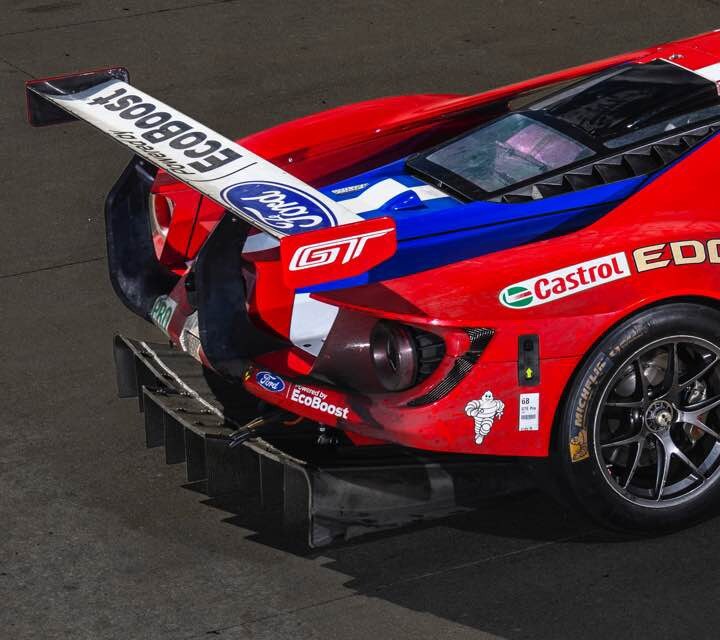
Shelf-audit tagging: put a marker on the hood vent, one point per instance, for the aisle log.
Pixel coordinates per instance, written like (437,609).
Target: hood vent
(629,164)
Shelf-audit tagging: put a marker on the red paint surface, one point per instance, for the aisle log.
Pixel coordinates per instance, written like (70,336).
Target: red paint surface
(679,205)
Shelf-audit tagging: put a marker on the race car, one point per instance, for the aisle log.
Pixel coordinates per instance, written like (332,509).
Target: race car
(528,272)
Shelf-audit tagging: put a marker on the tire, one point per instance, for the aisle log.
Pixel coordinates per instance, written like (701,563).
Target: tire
(637,443)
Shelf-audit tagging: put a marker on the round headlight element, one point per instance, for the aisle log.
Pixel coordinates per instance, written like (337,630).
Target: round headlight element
(394,356)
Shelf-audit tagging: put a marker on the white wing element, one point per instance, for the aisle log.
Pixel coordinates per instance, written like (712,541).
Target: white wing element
(252,188)
(484,412)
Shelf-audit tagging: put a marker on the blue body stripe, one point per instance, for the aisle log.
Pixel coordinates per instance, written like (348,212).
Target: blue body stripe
(444,230)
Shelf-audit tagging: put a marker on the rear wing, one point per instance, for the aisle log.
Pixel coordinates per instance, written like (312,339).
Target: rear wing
(245,184)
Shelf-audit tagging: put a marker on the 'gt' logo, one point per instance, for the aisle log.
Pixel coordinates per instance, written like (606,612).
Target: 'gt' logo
(343,250)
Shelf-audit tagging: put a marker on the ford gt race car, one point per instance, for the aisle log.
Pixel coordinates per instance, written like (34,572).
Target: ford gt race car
(531,271)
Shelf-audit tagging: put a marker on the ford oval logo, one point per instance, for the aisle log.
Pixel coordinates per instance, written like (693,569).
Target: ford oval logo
(280,206)
(270,381)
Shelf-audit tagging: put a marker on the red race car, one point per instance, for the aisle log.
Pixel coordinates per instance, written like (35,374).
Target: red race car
(532,271)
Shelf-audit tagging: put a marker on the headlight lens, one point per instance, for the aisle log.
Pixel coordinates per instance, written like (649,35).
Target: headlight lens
(394,355)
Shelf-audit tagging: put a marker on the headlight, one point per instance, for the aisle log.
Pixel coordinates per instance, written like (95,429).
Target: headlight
(394,355)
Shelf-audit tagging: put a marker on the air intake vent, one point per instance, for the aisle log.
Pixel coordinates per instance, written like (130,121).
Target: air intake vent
(479,339)
(632,163)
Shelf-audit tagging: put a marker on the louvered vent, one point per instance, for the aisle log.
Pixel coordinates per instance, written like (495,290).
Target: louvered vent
(632,163)
(479,339)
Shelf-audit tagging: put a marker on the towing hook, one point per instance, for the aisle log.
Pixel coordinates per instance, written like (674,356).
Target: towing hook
(254,427)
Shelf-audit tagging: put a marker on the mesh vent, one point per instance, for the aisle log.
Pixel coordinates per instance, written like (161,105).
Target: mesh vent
(630,164)
(479,339)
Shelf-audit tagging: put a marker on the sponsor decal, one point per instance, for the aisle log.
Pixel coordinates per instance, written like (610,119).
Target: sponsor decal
(316,399)
(280,206)
(517,297)
(579,447)
(578,444)
(629,336)
(341,250)
(151,124)
(355,187)
(565,282)
(269,381)
(529,413)
(483,412)
(334,253)
(679,253)
(162,312)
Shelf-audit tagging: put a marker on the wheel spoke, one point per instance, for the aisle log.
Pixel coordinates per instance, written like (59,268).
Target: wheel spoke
(636,462)
(695,421)
(699,474)
(623,442)
(705,370)
(670,379)
(640,377)
(663,468)
(702,407)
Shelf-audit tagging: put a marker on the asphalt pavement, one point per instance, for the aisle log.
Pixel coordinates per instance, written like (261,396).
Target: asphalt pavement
(98,538)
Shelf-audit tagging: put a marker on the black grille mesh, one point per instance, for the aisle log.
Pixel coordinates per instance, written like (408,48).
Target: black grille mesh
(479,339)
(635,162)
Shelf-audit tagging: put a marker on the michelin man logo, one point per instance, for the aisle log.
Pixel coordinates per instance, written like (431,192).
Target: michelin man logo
(484,412)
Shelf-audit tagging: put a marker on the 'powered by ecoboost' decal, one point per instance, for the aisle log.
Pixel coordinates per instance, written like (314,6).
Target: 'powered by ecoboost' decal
(565,282)
(248,185)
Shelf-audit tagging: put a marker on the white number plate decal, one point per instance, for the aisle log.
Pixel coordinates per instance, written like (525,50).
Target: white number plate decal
(529,412)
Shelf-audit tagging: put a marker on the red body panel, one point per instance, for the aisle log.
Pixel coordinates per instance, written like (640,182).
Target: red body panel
(679,206)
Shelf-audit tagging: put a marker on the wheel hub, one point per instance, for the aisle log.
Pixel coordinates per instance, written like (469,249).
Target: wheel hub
(659,416)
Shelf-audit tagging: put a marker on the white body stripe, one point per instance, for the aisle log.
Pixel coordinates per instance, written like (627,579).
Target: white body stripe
(376,196)
(310,323)
(208,162)
(711,73)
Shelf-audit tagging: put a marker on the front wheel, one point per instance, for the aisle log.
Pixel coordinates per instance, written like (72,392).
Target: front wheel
(638,440)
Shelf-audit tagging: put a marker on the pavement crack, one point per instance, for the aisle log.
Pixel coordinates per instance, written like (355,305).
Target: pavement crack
(14,66)
(140,14)
(53,267)
(272,616)
(492,558)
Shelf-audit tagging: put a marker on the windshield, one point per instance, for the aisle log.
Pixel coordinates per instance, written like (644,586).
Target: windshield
(627,106)
(510,150)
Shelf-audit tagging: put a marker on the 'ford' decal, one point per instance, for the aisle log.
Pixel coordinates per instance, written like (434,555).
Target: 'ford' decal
(280,206)
(270,381)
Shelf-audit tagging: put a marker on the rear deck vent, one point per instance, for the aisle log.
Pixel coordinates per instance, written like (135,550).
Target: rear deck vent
(629,164)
